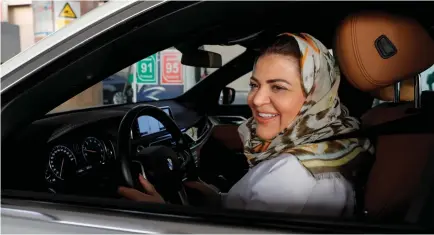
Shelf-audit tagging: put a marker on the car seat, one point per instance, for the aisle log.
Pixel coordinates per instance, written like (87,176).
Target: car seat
(375,50)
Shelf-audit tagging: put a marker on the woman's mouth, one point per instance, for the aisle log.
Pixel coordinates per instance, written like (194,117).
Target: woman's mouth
(264,118)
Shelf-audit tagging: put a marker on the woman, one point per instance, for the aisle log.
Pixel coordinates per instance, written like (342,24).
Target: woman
(295,107)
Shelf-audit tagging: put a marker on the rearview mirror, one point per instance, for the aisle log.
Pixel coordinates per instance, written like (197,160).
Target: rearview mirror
(227,95)
(201,58)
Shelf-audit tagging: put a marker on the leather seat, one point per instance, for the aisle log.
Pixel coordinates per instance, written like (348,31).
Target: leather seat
(375,50)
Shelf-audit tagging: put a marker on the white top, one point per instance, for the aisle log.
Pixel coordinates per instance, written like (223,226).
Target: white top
(282,184)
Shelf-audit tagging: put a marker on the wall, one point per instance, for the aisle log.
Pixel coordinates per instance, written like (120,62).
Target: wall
(22,15)
(10,41)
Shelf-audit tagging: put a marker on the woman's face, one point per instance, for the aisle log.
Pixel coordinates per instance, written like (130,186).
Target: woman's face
(276,96)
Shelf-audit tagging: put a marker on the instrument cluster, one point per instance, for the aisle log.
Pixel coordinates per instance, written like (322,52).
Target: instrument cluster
(70,160)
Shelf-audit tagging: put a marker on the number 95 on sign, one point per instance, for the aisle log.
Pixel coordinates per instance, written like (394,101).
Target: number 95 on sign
(172,68)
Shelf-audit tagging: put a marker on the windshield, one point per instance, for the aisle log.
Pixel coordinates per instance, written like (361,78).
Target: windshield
(160,76)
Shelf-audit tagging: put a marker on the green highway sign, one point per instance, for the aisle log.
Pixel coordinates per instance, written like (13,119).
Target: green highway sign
(147,70)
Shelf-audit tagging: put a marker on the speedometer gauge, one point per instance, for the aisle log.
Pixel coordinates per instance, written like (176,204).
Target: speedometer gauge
(93,150)
(62,162)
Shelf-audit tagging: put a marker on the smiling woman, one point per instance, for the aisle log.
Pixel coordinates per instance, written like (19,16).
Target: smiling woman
(293,167)
(276,94)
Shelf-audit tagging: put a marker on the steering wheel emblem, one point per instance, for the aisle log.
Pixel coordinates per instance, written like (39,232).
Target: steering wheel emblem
(170,163)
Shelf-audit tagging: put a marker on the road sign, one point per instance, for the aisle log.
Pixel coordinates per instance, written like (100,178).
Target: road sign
(147,70)
(171,68)
(67,12)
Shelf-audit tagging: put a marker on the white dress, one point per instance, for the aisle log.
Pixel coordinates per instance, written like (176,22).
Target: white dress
(282,184)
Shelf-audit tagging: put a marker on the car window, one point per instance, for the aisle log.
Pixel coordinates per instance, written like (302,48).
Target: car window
(160,76)
(426,84)
(242,88)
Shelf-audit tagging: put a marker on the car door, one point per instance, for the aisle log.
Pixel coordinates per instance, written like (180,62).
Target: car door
(23,80)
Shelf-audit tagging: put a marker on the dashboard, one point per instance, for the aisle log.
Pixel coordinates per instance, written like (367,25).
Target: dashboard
(81,150)
(75,156)
(79,147)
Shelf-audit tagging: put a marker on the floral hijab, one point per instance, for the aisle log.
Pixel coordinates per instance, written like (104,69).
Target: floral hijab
(322,116)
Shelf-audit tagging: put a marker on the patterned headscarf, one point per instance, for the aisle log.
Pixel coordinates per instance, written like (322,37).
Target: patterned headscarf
(321,116)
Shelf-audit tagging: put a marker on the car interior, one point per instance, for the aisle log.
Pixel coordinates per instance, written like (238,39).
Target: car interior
(90,152)
(394,177)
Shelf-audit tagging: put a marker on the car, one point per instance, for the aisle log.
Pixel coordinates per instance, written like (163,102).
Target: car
(117,90)
(61,169)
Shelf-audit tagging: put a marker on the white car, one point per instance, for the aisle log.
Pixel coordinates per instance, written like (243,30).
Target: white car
(60,170)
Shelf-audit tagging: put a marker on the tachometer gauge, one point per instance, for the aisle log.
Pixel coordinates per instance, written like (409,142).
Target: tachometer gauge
(62,162)
(93,150)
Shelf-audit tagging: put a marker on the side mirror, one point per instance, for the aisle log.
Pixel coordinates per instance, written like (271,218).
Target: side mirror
(227,95)
(201,58)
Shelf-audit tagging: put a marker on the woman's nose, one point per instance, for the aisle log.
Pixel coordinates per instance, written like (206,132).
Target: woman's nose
(261,97)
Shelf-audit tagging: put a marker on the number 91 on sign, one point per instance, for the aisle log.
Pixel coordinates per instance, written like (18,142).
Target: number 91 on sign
(146,70)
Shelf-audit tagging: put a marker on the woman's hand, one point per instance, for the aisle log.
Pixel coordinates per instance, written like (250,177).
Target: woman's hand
(151,194)
(209,192)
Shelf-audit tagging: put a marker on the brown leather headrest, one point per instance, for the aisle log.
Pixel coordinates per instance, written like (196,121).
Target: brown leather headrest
(376,49)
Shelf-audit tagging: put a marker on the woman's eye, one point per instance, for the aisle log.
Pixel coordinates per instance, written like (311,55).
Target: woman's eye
(252,85)
(277,88)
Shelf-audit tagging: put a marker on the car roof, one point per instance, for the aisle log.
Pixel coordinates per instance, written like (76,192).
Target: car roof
(63,34)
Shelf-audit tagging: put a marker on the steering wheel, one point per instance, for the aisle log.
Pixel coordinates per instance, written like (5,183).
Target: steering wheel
(164,167)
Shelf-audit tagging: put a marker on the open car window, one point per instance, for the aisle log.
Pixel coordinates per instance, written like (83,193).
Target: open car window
(160,76)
